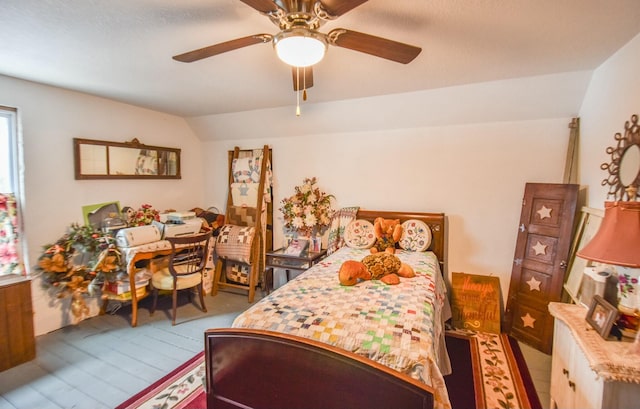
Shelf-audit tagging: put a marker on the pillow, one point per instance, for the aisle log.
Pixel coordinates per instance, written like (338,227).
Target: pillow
(359,234)
(339,223)
(234,243)
(416,236)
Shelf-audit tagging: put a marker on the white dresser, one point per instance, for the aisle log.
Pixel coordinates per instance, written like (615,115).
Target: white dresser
(586,370)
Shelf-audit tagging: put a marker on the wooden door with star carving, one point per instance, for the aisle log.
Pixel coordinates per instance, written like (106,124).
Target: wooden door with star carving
(540,261)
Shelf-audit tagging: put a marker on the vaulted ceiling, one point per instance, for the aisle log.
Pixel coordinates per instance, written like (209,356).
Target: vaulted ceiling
(122,49)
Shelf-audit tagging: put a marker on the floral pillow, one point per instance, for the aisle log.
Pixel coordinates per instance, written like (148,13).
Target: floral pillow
(359,234)
(416,236)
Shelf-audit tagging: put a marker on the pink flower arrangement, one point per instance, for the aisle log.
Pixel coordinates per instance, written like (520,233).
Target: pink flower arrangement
(144,215)
(308,210)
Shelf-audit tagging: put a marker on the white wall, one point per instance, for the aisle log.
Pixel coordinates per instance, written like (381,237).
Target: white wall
(466,150)
(613,96)
(51,118)
(475,173)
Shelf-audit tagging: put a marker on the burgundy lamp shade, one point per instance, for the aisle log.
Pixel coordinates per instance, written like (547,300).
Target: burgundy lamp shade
(617,242)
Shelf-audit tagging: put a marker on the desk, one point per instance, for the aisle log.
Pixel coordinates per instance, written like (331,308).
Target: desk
(132,255)
(278,259)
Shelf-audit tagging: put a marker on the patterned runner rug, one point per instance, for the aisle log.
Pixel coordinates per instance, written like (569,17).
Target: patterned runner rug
(488,372)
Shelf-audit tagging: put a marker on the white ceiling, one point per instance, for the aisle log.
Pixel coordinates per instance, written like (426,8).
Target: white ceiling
(122,49)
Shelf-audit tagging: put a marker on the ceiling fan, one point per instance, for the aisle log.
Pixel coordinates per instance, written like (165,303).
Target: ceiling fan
(300,44)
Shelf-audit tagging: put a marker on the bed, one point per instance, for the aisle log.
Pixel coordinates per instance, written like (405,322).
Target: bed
(369,326)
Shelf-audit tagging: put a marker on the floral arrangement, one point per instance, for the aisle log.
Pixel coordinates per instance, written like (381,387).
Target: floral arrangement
(81,260)
(308,210)
(144,215)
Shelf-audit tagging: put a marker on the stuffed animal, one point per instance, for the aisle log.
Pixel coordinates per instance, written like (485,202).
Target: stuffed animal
(382,266)
(388,233)
(351,271)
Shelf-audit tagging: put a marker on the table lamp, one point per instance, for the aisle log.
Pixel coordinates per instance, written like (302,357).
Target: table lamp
(617,243)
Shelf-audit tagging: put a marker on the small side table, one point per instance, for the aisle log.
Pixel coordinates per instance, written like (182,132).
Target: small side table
(278,259)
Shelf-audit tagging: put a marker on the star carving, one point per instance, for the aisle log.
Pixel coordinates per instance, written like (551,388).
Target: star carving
(534,284)
(540,249)
(528,320)
(544,212)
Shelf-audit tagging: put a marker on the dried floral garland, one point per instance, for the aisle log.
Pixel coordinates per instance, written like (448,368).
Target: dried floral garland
(82,259)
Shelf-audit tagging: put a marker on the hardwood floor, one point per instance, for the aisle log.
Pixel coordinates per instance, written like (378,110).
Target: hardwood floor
(102,361)
(539,365)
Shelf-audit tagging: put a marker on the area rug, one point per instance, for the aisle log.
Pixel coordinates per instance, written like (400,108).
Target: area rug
(180,389)
(488,372)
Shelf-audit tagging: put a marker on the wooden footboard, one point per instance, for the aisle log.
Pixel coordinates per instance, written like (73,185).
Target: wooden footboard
(263,369)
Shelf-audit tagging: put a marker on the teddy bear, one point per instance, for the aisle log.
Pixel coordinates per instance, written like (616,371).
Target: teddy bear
(381,266)
(388,232)
(351,271)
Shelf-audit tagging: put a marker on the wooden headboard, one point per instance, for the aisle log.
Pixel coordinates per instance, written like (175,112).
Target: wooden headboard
(435,221)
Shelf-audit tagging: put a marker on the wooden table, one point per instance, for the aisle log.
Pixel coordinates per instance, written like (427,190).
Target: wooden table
(288,262)
(132,256)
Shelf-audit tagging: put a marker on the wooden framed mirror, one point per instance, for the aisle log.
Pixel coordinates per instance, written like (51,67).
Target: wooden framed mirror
(95,159)
(624,168)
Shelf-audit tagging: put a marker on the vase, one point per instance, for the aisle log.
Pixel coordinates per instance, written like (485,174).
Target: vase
(628,301)
(316,243)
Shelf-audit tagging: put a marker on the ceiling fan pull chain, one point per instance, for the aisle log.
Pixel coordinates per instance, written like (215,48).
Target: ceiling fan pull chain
(298,91)
(304,84)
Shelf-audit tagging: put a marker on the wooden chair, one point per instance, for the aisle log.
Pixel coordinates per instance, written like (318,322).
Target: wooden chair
(185,270)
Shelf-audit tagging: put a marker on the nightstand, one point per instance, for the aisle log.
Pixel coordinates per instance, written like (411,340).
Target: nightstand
(278,259)
(586,370)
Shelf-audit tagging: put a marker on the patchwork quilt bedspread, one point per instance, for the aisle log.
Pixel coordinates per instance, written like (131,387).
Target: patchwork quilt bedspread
(400,326)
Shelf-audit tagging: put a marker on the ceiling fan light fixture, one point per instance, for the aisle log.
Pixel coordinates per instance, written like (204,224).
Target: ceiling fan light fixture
(300,47)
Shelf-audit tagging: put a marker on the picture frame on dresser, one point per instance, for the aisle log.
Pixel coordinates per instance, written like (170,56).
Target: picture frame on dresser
(601,315)
(297,247)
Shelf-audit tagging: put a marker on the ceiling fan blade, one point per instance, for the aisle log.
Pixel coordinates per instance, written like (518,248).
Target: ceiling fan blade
(339,7)
(378,46)
(220,48)
(263,6)
(305,80)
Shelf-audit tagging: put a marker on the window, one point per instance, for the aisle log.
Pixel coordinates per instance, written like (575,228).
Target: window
(8,151)
(10,242)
